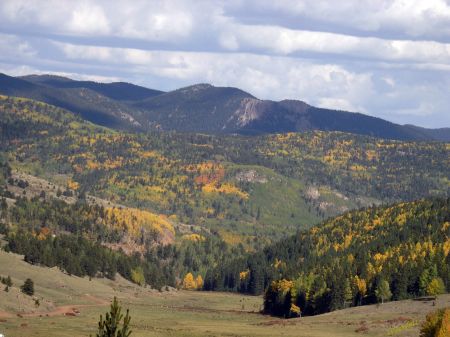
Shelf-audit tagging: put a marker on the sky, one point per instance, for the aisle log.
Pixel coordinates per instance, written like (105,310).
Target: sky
(385,58)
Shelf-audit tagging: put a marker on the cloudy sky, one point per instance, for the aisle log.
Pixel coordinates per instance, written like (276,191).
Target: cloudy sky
(386,58)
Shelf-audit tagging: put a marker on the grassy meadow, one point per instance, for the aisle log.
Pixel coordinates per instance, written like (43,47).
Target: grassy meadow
(70,306)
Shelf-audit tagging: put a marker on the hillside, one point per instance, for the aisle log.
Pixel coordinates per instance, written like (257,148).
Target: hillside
(120,91)
(339,263)
(247,189)
(89,104)
(70,307)
(200,108)
(346,260)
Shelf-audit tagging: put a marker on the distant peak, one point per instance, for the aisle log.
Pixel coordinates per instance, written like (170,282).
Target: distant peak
(45,77)
(196,87)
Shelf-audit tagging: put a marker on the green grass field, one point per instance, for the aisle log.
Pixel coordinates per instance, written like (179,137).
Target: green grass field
(178,313)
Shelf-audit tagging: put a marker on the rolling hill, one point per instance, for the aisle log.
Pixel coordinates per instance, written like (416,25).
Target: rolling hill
(250,190)
(225,201)
(344,260)
(200,108)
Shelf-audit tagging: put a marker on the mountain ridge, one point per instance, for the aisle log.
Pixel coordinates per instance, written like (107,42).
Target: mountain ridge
(201,108)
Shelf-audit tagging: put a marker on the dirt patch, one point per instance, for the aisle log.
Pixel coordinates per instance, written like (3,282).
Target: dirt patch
(65,310)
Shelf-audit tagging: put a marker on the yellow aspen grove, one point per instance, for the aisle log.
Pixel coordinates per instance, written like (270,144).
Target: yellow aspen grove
(189,282)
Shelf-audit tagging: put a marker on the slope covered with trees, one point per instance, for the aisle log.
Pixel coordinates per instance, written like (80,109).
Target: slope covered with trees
(200,108)
(361,257)
(248,189)
(218,199)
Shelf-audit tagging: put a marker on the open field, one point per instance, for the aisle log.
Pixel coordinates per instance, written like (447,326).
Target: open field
(70,306)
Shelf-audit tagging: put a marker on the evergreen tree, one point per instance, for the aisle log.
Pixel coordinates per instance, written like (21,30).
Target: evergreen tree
(111,325)
(383,292)
(256,283)
(28,287)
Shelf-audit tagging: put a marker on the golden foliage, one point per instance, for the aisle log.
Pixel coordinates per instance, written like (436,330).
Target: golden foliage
(295,310)
(244,274)
(73,185)
(436,324)
(199,282)
(134,220)
(361,285)
(189,283)
(225,188)
(282,286)
(436,287)
(193,237)
(444,329)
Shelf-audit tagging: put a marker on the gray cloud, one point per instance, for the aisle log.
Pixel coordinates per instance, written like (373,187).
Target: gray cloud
(385,58)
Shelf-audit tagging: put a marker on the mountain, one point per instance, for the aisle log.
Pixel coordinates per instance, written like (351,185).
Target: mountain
(197,108)
(201,108)
(89,104)
(441,134)
(205,108)
(120,91)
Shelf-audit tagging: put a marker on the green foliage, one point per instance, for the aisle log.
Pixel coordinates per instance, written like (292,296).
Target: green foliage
(436,287)
(137,276)
(258,187)
(74,236)
(383,291)
(6,281)
(28,287)
(244,191)
(112,325)
(357,258)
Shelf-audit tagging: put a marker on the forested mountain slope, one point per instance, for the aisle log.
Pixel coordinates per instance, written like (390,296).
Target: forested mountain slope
(120,91)
(249,189)
(360,257)
(223,197)
(200,108)
(88,103)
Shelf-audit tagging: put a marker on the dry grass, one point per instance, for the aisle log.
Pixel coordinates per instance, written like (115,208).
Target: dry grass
(70,306)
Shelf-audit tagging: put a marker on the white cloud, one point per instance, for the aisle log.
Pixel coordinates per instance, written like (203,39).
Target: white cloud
(13,47)
(88,19)
(412,18)
(287,41)
(148,20)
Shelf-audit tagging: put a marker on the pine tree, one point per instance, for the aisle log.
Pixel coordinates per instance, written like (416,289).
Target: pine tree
(110,326)
(28,287)
(256,283)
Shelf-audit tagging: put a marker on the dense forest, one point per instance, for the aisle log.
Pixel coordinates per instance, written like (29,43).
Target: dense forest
(80,238)
(252,190)
(361,257)
(87,240)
